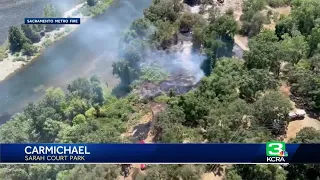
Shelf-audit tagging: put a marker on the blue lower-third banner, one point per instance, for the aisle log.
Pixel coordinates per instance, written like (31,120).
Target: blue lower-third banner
(271,152)
(52,20)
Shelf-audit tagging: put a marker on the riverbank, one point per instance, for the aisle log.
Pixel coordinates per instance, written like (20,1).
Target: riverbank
(13,62)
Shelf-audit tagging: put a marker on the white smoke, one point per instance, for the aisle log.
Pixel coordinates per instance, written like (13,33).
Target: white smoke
(195,9)
(179,60)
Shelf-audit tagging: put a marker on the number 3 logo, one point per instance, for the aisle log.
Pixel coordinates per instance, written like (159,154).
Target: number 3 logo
(275,148)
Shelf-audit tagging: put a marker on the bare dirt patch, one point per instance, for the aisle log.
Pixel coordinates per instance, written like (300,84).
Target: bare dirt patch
(277,12)
(295,126)
(142,127)
(139,128)
(283,10)
(236,5)
(211,176)
(285,89)
(242,41)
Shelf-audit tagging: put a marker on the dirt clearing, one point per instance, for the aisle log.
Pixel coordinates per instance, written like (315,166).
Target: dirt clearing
(295,126)
(276,12)
(211,176)
(242,41)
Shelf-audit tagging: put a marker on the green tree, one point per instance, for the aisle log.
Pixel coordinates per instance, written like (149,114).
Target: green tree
(227,120)
(195,109)
(305,171)
(307,135)
(173,115)
(278,3)
(285,25)
(256,81)
(314,41)
(13,172)
(254,26)
(217,41)
(166,10)
(238,172)
(91,2)
(255,5)
(224,81)
(305,83)
(225,26)
(271,111)
(174,134)
(29,49)
(126,74)
(81,87)
(88,172)
(30,33)
(76,106)
(265,51)
(38,27)
(315,63)
(118,109)
(198,38)
(109,133)
(174,172)
(80,118)
(15,130)
(54,98)
(232,174)
(214,13)
(294,48)
(299,70)
(44,123)
(305,13)
(188,20)
(43,171)
(50,11)
(165,34)
(16,39)
(97,92)
(142,27)
(252,17)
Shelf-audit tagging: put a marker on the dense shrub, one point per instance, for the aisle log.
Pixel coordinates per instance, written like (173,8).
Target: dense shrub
(29,49)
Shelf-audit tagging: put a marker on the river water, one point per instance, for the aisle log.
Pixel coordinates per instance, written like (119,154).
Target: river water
(90,49)
(13,12)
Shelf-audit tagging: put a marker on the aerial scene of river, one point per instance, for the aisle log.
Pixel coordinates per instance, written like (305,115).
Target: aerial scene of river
(13,12)
(89,50)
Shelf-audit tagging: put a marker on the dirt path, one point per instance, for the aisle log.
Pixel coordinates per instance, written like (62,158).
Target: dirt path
(211,176)
(279,11)
(142,128)
(295,126)
(242,41)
